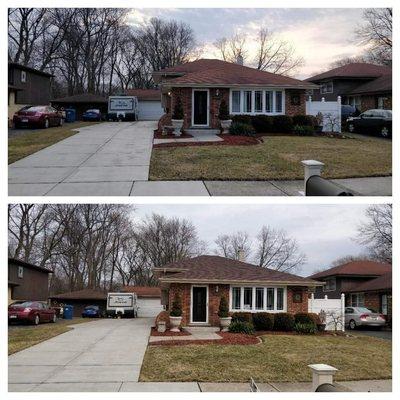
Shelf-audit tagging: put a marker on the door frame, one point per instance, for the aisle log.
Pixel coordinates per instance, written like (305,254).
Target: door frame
(208,107)
(191,304)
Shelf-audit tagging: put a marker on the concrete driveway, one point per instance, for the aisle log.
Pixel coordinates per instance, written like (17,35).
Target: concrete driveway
(376,333)
(102,159)
(104,355)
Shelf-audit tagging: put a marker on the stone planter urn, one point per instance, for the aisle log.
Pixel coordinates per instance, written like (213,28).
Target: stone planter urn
(177,124)
(225,322)
(225,125)
(175,323)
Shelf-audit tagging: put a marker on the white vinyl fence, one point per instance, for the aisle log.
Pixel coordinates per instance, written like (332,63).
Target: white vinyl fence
(331,112)
(332,309)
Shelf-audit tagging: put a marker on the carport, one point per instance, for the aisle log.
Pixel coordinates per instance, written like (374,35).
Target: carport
(149,103)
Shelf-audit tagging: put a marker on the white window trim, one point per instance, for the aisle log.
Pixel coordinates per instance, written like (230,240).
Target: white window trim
(191,305)
(208,107)
(253,90)
(20,272)
(253,308)
(325,289)
(325,85)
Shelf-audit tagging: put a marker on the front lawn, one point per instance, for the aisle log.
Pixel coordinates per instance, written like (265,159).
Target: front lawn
(277,158)
(278,359)
(22,337)
(34,140)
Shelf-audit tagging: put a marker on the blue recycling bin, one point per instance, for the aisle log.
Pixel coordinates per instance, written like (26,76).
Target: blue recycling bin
(68,312)
(70,115)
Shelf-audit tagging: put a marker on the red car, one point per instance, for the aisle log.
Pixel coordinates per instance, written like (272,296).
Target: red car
(33,312)
(38,117)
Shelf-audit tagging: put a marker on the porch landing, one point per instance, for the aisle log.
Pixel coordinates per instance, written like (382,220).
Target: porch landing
(196,333)
(199,135)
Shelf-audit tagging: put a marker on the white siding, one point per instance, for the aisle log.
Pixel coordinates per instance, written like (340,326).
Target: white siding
(149,307)
(150,110)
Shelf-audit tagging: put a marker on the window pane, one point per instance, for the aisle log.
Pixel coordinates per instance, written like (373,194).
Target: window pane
(278,102)
(248,298)
(259,298)
(236,101)
(236,298)
(270,298)
(258,101)
(279,298)
(247,101)
(268,101)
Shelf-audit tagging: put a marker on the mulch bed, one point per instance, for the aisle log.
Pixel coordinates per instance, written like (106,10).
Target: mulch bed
(276,333)
(229,140)
(154,332)
(227,339)
(158,135)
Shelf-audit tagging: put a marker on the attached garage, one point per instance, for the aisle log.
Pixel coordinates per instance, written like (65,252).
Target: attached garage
(149,300)
(150,108)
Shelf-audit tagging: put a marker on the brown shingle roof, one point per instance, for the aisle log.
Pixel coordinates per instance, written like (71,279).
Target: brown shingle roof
(224,270)
(81,98)
(383,282)
(361,267)
(143,291)
(383,84)
(218,72)
(29,265)
(353,70)
(145,94)
(29,69)
(84,294)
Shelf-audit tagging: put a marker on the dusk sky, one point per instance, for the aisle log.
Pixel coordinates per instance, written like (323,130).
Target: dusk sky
(323,232)
(320,36)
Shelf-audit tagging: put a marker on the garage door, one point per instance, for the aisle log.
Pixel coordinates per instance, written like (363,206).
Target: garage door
(149,307)
(150,110)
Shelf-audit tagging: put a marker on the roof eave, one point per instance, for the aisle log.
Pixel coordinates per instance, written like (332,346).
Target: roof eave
(233,85)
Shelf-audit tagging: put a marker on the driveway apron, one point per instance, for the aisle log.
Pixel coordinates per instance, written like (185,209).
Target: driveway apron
(101,355)
(103,159)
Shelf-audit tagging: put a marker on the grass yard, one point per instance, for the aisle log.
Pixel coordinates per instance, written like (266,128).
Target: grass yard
(34,140)
(277,359)
(277,158)
(20,338)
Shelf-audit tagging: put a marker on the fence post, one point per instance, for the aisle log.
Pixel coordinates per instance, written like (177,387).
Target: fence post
(342,303)
(311,303)
(321,373)
(339,101)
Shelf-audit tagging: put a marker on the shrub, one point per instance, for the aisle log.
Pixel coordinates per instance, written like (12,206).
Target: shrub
(305,328)
(238,128)
(262,123)
(242,317)
(241,327)
(244,119)
(283,322)
(223,311)
(178,109)
(303,130)
(176,310)
(263,321)
(306,318)
(304,120)
(223,114)
(282,124)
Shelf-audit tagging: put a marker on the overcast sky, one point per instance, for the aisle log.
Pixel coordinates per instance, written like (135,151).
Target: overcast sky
(320,36)
(324,232)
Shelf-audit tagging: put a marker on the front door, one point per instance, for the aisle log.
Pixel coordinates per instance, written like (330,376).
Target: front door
(200,107)
(199,304)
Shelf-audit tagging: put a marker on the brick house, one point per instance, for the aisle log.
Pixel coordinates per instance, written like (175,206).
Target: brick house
(364,283)
(362,85)
(201,281)
(202,84)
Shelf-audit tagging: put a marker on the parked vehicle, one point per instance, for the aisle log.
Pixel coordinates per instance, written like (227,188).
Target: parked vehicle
(347,111)
(93,312)
(362,316)
(122,108)
(33,312)
(372,121)
(92,115)
(122,305)
(37,117)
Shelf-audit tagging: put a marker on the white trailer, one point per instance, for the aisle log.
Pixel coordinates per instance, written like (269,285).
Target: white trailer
(122,108)
(122,305)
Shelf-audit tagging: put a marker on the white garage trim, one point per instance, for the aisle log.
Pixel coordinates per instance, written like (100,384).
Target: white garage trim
(149,307)
(150,110)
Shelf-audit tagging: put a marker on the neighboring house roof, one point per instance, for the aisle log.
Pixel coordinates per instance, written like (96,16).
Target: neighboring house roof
(28,265)
(81,98)
(221,73)
(383,84)
(29,69)
(145,94)
(84,294)
(143,291)
(383,282)
(353,70)
(215,269)
(352,268)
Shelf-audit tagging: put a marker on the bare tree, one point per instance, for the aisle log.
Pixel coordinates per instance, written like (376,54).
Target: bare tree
(376,233)
(234,246)
(348,60)
(233,48)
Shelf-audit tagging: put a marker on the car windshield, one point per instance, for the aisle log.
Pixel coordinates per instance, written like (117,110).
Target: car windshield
(91,308)
(35,109)
(93,111)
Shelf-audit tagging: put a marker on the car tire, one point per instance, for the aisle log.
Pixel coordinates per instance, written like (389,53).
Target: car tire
(36,320)
(46,123)
(54,319)
(352,324)
(351,128)
(385,132)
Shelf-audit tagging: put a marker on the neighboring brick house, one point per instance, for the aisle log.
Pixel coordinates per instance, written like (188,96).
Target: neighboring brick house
(27,86)
(364,283)
(201,281)
(362,85)
(202,84)
(27,281)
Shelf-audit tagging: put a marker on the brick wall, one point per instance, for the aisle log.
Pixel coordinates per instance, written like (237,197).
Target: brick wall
(293,307)
(293,109)
(215,101)
(370,102)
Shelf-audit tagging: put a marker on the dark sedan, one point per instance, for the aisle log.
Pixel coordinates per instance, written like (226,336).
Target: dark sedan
(33,312)
(93,312)
(37,117)
(92,115)
(372,121)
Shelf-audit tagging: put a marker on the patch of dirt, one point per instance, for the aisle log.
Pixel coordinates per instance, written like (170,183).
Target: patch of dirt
(154,332)
(229,140)
(158,135)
